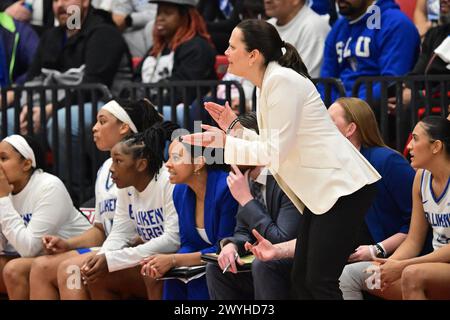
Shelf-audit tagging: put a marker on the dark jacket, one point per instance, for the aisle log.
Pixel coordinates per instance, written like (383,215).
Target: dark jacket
(99,45)
(278,223)
(24,49)
(193,60)
(5,4)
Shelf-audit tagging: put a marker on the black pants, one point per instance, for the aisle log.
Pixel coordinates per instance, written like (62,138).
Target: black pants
(325,243)
(267,281)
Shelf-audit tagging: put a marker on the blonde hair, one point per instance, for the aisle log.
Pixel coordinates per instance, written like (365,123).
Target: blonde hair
(359,112)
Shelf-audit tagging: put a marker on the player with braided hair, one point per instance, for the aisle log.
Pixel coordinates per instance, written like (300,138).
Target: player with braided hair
(115,121)
(144,211)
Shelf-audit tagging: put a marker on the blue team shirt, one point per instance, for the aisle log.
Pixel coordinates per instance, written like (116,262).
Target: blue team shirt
(383,42)
(390,212)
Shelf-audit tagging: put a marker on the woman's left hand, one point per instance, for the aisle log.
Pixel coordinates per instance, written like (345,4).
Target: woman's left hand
(213,137)
(5,187)
(156,266)
(390,270)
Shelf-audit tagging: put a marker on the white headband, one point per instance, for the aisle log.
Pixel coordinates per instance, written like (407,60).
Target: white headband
(117,111)
(21,145)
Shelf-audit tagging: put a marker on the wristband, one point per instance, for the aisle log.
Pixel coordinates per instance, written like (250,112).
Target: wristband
(379,251)
(383,249)
(233,123)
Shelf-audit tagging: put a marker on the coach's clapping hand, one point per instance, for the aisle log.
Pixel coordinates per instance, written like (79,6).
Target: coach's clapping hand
(213,137)
(222,115)
(54,244)
(5,187)
(94,268)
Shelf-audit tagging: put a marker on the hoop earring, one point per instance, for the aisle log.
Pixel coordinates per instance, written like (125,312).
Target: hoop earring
(196,172)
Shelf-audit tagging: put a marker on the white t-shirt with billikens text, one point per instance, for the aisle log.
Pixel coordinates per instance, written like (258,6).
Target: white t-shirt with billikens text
(150,215)
(105,197)
(43,207)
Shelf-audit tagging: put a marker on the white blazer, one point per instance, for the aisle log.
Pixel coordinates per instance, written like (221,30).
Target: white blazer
(310,159)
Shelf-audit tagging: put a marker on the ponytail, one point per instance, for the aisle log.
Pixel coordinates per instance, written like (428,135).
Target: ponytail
(291,59)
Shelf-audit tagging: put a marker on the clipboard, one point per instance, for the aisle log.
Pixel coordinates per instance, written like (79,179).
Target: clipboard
(185,274)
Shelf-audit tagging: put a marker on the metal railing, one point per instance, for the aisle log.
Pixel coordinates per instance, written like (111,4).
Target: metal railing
(190,94)
(428,94)
(331,87)
(48,102)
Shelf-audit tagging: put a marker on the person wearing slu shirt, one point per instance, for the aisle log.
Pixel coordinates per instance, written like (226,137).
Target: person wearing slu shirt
(373,38)
(145,213)
(32,203)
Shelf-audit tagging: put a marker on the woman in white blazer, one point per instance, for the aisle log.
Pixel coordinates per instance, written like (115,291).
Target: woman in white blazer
(328,180)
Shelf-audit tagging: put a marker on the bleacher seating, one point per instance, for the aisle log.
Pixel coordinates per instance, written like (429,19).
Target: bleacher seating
(407,6)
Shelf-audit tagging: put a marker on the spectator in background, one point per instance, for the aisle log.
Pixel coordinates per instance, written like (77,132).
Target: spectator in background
(299,25)
(135,18)
(182,48)
(369,41)
(18,44)
(435,55)
(324,7)
(91,53)
(387,220)
(105,5)
(426,15)
(221,17)
(37,12)
(64,47)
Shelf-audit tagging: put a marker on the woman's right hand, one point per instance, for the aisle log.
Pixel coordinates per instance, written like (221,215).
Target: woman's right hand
(223,115)
(5,187)
(229,256)
(55,245)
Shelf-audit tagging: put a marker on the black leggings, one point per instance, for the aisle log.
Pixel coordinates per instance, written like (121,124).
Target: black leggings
(325,243)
